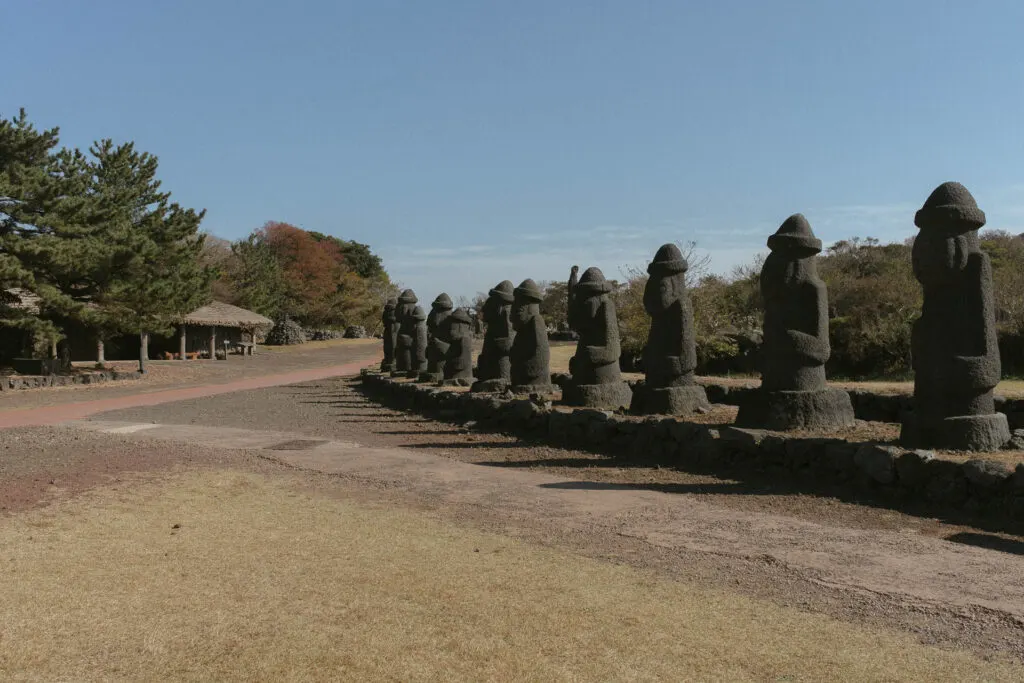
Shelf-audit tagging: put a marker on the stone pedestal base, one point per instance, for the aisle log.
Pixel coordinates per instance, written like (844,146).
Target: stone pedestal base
(387,367)
(433,377)
(684,400)
(787,410)
(527,389)
(608,396)
(489,386)
(962,433)
(457,382)
(399,373)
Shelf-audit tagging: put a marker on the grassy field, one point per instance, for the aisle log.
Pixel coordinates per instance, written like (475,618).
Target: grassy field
(235,576)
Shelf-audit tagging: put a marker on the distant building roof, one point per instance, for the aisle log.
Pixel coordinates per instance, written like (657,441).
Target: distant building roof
(225,315)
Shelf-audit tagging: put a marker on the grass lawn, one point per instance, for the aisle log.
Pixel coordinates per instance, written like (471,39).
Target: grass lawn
(263,581)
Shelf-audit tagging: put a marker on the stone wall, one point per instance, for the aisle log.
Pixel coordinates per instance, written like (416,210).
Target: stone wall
(15,382)
(882,472)
(868,405)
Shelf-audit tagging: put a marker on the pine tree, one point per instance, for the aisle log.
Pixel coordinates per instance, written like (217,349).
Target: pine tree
(149,273)
(44,217)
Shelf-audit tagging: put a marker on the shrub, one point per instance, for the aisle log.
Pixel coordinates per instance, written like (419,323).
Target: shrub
(285,333)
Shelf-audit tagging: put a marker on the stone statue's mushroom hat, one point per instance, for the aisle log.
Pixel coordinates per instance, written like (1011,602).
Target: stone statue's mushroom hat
(460,316)
(407,297)
(950,205)
(504,291)
(795,236)
(528,289)
(443,302)
(418,315)
(668,261)
(593,283)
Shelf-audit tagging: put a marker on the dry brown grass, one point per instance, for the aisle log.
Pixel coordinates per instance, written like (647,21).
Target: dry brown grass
(264,582)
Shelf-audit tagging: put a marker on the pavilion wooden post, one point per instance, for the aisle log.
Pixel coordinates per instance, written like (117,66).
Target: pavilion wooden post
(143,351)
(213,342)
(182,347)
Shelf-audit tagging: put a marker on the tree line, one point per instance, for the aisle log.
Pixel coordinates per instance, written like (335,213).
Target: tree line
(90,241)
(317,280)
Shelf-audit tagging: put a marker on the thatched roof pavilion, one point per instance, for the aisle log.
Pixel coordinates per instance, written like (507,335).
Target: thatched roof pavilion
(220,314)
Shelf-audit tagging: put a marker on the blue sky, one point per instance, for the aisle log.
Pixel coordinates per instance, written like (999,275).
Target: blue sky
(469,142)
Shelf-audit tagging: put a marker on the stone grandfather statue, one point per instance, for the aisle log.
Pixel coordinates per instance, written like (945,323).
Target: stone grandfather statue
(793,393)
(530,355)
(458,364)
(670,356)
(953,344)
(437,341)
(411,345)
(390,331)
(596,379)
(494,367)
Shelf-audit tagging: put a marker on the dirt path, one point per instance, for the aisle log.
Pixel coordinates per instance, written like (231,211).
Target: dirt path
(165,375)
(63,412)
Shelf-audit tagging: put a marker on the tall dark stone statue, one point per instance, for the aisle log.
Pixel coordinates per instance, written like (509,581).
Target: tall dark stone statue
(569,291)
(953,344)
(405,340)
(458,363)
(530,355)
(793,393)
(670,356)
(437,340)
(494,367)
(389,322)
(596,379)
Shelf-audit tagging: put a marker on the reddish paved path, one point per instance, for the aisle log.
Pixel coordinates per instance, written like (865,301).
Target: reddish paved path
(75,411)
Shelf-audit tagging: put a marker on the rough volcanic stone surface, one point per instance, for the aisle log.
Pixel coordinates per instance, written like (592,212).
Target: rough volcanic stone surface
(612,395)
(437,339)
(681,400)
(986,474)
(406,337)
(953,344)
(495,362)
(878,462)
(389,323)
(670,356)
(596,362)
(458,363)
(530,356)
(793,393)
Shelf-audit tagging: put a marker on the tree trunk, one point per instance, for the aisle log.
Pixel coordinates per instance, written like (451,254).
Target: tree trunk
(182,347)
(100,357)
(53,349)
(143,351)
(213,342)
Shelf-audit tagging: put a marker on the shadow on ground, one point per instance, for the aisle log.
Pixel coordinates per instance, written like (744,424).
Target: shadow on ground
(728,479)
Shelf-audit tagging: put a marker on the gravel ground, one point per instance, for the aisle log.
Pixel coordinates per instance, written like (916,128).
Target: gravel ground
(38,465)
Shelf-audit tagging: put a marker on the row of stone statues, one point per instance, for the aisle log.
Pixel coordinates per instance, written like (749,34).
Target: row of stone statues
(955,355)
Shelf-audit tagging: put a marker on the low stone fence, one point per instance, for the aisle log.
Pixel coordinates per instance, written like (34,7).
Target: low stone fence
(781,463)
(867,405)
(14,382)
